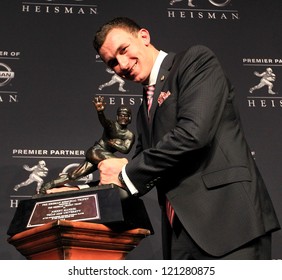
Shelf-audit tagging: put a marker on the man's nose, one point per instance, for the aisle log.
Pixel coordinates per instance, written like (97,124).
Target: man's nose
(123,62)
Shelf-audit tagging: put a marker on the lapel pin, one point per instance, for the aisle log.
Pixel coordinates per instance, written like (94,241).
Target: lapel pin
(162,78)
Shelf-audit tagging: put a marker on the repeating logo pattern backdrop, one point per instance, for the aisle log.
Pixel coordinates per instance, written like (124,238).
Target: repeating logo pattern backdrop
(49,74)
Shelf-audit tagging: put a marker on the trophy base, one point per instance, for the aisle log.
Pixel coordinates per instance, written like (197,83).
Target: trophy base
(104,204)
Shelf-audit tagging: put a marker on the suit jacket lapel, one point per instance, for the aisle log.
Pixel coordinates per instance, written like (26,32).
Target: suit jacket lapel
(162,76)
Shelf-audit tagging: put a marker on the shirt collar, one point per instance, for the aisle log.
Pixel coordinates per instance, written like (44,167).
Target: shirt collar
(156,68)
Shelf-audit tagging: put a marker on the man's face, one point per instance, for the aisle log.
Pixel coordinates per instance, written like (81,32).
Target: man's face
(128,54)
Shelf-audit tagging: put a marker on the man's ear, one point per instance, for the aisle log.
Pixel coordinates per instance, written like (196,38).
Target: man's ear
(145,36)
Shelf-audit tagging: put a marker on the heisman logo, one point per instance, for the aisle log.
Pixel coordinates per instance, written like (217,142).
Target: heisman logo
(6,74)
(115,79)
(217,3)
(267,79)
(36,173)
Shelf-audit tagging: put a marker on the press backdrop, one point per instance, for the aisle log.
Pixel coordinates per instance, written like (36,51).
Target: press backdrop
(49,74)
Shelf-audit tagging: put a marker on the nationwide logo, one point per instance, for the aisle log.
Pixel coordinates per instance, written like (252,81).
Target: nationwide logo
(264,82)
(210,10)
(69,7)
(6,74)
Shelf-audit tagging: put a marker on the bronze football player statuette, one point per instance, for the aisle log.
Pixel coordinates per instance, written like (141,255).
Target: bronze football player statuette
(116,137)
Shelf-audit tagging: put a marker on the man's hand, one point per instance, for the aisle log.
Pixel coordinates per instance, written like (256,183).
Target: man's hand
(110,169)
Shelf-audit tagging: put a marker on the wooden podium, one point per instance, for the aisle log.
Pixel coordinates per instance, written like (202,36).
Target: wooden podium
(92,224)
(69,240)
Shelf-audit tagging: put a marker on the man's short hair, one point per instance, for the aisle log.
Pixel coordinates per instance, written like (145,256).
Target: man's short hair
(119,22)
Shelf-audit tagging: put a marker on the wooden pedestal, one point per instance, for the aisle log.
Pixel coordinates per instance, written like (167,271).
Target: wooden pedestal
(69,240)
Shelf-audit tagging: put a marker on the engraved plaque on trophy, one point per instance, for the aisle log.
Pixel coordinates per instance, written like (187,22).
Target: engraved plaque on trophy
(77,208)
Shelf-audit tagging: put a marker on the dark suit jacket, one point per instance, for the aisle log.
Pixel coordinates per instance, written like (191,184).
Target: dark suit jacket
(195,153)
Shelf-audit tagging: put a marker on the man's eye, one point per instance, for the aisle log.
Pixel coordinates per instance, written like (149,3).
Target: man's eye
(123,50)
(112,63)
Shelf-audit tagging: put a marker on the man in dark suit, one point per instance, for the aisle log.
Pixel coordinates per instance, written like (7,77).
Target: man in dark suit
(191,148)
